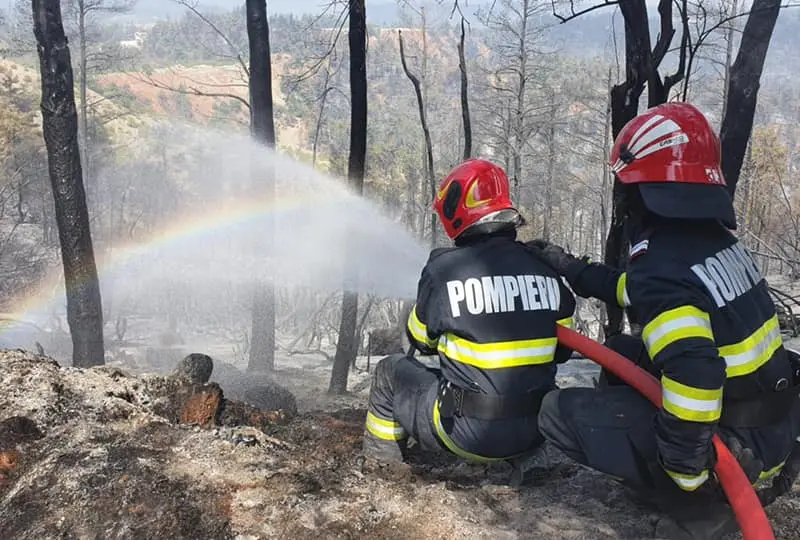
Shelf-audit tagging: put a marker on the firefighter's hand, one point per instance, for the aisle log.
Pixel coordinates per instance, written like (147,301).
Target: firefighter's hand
(555,255)
(751,465)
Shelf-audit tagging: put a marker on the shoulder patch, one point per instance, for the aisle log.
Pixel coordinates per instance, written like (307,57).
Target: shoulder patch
(638,249)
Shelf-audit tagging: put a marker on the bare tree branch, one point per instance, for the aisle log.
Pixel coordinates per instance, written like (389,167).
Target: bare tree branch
(421,104)
(190,91)
(575,14)
(314,68)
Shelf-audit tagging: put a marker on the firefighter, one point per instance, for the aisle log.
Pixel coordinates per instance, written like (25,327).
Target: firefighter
(709,332)
(488,308)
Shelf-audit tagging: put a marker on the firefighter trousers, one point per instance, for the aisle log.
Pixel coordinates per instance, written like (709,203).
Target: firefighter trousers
(402,404)
(401,399)
(611,429)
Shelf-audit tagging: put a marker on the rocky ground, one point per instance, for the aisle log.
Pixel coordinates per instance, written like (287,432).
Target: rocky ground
(103,454)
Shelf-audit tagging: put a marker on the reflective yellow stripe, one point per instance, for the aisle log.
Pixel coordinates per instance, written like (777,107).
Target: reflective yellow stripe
(385,429)
(690,403)
(622,291)
(766,475)
(676,324)
(569,322)
(498,355)
(418,330)
(754,351)
(688,482)
(453,447)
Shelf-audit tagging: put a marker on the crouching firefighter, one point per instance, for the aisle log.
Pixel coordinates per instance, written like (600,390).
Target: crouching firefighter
(709,332)
(488,308)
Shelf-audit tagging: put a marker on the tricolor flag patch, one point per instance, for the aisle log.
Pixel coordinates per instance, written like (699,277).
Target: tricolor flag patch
(640,248)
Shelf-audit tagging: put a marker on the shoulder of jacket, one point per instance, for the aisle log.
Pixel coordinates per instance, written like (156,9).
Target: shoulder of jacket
(438,252)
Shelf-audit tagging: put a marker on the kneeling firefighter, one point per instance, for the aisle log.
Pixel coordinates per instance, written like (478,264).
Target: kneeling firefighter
(489,308)
(710,332)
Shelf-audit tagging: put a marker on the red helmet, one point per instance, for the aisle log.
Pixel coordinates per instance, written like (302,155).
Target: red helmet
(475,197)
(673,154)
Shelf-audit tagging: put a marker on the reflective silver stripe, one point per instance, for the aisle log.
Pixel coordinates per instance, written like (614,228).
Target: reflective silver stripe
(676,324)
(687,482)
(753,352)
(384,429)
(418,330)
(694,404)
(499,355)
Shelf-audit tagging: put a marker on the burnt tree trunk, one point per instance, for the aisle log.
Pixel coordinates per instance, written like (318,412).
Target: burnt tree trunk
(262,128)
(60,130)
(462,66)
(625,107)
(426,132)
(742,91)
(84,110)
(641,66)
(346,347)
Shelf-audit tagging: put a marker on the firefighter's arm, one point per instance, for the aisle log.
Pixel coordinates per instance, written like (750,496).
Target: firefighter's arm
(587,279)
(679,339)
(566,314)
(596,280)
(419,335)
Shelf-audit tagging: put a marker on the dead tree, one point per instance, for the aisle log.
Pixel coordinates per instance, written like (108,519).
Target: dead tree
(346,347)
(743,85)
(60,130)
(462,67)
(641,67)
(426,132)
(262,349)
(515,33)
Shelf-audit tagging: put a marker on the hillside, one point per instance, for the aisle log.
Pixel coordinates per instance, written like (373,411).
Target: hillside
(189,216)
(101,452)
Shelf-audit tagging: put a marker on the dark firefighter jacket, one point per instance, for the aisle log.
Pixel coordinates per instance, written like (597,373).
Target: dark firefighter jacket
(709,325)
(490,310)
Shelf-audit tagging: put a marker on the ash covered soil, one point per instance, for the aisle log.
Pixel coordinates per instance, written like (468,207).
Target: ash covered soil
(107,453)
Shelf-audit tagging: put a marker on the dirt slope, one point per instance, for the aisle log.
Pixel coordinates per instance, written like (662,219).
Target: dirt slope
(99,453)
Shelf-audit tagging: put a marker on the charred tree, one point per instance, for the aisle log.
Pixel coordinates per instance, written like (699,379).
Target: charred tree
(624,107)
(462,67)
(641,69)
(426,132)
(262,128)
(642,63)
(743,85)
(346,347)
(60,130)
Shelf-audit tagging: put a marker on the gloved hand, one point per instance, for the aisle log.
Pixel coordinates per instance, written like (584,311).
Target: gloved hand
(554,255)
(751,465)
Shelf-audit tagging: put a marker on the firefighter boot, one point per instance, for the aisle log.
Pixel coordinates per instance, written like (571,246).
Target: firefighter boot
(382,450)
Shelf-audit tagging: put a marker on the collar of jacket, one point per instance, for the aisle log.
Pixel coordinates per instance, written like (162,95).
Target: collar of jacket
(473,239)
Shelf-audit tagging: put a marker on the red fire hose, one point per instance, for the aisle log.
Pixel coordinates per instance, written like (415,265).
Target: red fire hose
(749,512)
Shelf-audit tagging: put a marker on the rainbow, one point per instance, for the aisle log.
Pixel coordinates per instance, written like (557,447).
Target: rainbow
(180,229)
